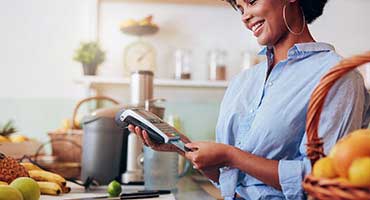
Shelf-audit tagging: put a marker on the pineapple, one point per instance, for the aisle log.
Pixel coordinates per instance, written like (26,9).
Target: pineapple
(10,169)
(8,129)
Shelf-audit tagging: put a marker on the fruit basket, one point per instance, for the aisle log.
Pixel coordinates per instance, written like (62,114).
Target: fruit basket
(14,144)
(324,188)
(139,28)
(67,143)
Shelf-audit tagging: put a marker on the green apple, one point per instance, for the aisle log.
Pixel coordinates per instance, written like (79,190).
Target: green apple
(28,187)
(9,193)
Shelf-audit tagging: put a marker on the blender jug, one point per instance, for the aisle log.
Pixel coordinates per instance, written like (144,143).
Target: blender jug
(161,169)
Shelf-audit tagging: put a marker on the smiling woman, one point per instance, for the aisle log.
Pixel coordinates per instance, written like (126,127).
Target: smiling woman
(260,149)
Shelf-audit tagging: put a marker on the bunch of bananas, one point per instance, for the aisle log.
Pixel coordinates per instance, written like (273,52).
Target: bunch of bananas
(147,21)
(50,183)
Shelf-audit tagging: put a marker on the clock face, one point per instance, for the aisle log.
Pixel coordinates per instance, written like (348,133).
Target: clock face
(140,56)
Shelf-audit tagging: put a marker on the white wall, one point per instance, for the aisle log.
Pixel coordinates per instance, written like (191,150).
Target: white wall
(199,28)
(345,24)
(38,38)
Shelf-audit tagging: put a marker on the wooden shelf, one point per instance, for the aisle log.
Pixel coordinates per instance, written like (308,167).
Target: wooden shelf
(101,80)
(205,2)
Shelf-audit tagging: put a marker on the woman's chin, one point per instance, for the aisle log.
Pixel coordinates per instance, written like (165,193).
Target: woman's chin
(265,41)
(262,41)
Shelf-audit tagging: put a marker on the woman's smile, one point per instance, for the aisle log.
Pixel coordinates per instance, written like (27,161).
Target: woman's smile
(256,27)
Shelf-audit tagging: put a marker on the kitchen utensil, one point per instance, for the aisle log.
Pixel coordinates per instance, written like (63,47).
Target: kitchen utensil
(133,195)
(100,131)
(141,87)
(161,169)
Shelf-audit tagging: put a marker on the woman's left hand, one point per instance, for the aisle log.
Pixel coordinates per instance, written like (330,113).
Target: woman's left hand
(207,155)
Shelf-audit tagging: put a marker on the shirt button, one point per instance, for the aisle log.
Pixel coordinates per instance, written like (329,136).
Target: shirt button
(270,84)
(252,111)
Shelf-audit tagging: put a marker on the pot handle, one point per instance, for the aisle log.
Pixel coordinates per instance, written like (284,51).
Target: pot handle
(75,126)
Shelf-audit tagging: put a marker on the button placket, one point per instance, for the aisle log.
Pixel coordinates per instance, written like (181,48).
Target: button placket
(245,126)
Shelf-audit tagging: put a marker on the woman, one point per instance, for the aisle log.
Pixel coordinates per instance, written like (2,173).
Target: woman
(260,149)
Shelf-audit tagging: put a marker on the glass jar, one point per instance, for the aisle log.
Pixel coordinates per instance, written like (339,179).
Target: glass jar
(182,64)
(217,65)
(249,59)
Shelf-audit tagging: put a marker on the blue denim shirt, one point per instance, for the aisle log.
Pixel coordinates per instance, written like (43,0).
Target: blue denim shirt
(266,116)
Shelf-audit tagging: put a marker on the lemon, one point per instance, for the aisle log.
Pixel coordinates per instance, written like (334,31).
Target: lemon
(324,168)
(4,139)
(359,172)
(114,189)
(18,138)
(66,124)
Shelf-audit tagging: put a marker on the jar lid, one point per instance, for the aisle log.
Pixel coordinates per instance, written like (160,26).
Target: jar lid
(143,72)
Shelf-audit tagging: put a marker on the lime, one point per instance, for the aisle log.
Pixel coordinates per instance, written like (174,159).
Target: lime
(114,189)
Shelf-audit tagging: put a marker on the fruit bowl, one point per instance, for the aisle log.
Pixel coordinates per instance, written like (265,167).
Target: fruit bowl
(140,30)
(321,187)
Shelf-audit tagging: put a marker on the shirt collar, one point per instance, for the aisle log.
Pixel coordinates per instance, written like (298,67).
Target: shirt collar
(302,48)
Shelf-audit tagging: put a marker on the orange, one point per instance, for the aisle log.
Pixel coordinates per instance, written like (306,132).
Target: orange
(349,148)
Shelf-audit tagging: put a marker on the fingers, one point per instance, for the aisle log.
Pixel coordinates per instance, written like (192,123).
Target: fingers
(193,146)
(131,128)
(147,139)
(137,130)
(192,157)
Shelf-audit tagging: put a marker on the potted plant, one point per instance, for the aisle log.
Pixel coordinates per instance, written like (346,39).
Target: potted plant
(91,56)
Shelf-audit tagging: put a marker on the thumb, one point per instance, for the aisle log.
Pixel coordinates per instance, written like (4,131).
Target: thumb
(192,145)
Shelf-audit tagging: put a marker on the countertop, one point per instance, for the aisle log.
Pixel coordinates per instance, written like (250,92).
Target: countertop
(187,188)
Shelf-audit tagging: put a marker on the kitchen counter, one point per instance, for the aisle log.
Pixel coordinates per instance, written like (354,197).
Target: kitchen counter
(187,188)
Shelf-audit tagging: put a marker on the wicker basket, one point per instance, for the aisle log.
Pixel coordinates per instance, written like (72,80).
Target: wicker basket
(320,188)
(67,145)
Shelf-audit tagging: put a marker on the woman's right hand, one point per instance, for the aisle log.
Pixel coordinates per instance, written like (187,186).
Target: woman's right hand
(156,146)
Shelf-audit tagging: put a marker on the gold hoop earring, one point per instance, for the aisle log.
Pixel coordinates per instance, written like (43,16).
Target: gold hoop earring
(287,25)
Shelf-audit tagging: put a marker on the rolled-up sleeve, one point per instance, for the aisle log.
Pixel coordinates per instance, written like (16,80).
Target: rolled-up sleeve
(291,173)
(346,109)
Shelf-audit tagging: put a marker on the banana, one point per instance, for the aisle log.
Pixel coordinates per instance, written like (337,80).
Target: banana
(66,189)
(49,188)
(3,183)
(30,166)
(47,176)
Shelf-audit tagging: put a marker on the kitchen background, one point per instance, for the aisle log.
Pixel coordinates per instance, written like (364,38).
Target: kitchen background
(39,77)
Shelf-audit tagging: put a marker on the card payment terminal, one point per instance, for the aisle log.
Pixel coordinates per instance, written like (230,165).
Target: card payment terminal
(158,130)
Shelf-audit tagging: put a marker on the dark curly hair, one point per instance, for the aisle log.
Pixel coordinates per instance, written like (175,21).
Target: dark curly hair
(312,9)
